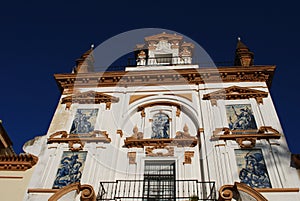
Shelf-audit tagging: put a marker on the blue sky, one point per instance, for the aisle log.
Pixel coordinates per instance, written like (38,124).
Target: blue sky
(39,39)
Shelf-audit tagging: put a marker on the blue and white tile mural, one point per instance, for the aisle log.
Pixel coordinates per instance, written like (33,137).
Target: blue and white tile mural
(252,168)
(240,117)
(160,126)
(84,121)
(70,169)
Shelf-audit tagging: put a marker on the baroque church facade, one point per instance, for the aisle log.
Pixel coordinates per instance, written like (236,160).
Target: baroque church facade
(164,129)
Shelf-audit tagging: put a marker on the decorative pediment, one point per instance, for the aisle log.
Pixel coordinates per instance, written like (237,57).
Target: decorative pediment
(164,36)
(77,141)
(89,97)
(235,93)
(245,138)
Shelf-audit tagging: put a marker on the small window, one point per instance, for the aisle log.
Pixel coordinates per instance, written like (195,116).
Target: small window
(160,126)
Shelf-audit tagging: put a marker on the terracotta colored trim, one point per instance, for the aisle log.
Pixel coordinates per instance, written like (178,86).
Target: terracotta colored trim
(89,97)
(42,190)
(264,190)
(164,103)
(60,192)
(20,162)
(11,177)
(134,98)
(231,74)
(87,192)
(235,93)
(120,132)
(64,137)
(141,143)
(264,132)
(228,192)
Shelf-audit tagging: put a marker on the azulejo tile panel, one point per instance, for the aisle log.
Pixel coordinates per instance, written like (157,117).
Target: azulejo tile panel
(252,168)
(84,121)
(240,117)
(70,168)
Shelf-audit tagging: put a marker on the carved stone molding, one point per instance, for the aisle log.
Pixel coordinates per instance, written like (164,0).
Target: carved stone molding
(77,141)
(157,151)
(132,157)
(235,93)
(76,145)
(239,191)
(66,82)
(89,97)
(163,142)
(246,138)
(20,162)
(188,157)
(163,36)
(246,142)
(160,103)
(87,192)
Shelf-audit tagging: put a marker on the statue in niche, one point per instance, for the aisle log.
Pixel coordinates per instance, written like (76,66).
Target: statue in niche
(136,134)
(141,60)
(160,126)
(184,134)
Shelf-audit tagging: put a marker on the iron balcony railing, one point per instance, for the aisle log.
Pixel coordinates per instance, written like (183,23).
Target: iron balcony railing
(152,61)
(135,190)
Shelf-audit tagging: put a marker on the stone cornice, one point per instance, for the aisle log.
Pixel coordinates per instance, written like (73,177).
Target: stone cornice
(66,82)
(20,162)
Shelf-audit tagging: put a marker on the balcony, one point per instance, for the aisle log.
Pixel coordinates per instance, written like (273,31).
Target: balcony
(139,190)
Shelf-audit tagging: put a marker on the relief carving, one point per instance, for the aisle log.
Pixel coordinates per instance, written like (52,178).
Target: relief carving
(150,151)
